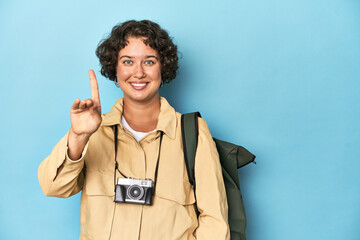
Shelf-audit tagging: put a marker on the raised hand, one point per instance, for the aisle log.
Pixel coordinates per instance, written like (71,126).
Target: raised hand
(85,116)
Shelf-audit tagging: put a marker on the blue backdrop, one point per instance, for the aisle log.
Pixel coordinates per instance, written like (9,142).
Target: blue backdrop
(279,77)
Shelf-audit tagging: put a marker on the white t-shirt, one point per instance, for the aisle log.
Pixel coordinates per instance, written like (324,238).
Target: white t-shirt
(137,135)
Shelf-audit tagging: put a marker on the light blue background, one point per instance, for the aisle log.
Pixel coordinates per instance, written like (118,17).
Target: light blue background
(279,77)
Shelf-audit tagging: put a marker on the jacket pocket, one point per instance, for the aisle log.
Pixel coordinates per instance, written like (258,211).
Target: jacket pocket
(180,192)
(176,218)
(99,184)
(99,205)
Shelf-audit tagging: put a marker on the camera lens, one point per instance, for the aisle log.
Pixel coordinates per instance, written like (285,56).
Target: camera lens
(135,192)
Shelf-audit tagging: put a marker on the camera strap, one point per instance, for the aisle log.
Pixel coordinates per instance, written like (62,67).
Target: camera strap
(117,165)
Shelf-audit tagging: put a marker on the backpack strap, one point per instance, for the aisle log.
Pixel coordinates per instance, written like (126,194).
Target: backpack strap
(190,132)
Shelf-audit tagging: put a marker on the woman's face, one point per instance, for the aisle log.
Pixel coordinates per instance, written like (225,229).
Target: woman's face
(138,71)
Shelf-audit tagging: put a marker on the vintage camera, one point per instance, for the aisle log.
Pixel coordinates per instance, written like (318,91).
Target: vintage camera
(130,190)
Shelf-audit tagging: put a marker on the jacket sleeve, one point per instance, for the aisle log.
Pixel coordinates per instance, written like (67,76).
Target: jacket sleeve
(70,180)
(210,189)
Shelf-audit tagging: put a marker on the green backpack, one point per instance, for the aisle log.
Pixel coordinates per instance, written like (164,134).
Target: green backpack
(232,157)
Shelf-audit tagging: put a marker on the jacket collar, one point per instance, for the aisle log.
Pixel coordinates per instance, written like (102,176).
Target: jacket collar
(166,120)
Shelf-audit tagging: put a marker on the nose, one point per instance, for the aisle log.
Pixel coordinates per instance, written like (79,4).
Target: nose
(139,71)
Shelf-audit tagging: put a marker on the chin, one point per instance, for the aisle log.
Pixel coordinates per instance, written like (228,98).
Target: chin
(143,98)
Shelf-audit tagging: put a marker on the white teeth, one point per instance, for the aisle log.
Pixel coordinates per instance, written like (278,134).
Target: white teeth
(138,84)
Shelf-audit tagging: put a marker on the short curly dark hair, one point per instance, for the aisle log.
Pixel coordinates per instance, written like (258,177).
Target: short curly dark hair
(156,37)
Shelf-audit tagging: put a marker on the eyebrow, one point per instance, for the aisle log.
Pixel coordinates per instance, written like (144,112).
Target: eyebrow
(151,56)
(125,56)
(147,56)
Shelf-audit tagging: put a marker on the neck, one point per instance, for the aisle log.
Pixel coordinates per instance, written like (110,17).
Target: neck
(142,116)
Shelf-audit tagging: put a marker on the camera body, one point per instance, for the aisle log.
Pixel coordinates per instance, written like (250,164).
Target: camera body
(137,191)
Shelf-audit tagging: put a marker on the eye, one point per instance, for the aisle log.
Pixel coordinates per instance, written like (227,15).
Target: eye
(149,62)
(127,62)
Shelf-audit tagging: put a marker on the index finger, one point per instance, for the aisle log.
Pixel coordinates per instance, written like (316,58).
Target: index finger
(94,87)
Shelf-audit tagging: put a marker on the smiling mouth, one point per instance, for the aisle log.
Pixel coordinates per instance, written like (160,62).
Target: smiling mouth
(138,86)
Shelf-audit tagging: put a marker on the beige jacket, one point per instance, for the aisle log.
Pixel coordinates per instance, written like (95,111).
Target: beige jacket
(172,215)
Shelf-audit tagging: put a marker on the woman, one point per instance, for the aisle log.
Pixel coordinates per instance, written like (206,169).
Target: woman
(139,56)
